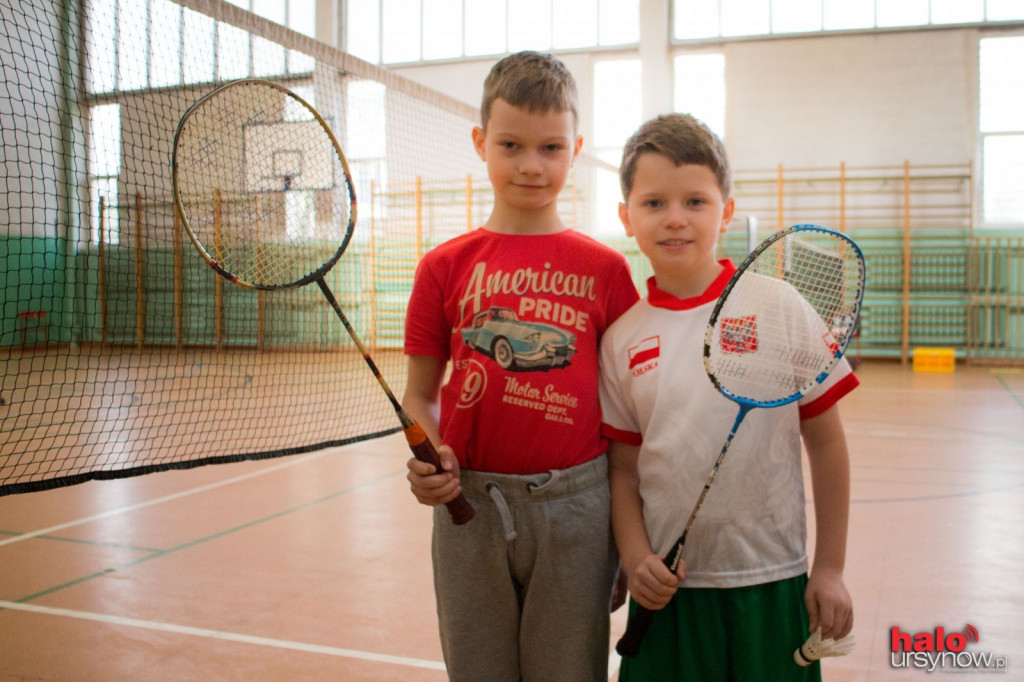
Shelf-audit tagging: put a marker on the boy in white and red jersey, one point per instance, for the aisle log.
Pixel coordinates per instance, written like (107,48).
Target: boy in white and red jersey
(741,601)
(516,310)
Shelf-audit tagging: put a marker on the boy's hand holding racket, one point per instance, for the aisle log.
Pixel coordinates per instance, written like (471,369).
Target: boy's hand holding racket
(435,486)
(652,584)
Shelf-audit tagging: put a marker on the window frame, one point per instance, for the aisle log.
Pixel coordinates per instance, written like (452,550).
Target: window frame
(111,79)
(723,36)
(501,47)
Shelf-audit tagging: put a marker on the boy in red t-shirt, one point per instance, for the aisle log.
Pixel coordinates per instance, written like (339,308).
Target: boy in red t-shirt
(518,307)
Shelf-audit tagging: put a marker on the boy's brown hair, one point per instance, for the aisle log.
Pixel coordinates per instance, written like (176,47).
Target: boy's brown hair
(682,139)
(535,81)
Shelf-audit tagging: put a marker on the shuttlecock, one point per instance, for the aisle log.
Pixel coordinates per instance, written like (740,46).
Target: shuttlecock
(815,647)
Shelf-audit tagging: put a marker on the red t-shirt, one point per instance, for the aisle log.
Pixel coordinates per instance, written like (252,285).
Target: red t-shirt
(520,318)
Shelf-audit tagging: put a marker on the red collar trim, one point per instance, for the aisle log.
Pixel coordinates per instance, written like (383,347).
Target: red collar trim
(661,299)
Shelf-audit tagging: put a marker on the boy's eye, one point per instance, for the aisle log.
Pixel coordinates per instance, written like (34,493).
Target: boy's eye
(554,147)
(652,203)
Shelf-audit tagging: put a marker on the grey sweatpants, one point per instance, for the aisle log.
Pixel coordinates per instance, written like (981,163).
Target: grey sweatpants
(523,590)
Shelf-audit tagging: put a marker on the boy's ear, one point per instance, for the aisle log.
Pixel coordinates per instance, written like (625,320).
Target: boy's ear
(576,148)
(479,138)
(727,211)
(624,218)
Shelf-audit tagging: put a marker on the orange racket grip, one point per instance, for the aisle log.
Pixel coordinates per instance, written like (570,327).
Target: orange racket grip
(422,449)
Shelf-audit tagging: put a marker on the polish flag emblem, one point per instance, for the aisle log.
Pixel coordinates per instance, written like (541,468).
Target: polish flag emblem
(648,349)
(739,334)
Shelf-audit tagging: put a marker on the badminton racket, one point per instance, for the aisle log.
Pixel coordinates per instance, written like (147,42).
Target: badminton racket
(780,326)
(265,194)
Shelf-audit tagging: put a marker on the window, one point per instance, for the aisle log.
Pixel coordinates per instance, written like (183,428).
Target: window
(165,46)
(300,205)
(362,33)
(442,29)
(573,26)
(796,16)
(139,44)
(365,141)
(104,169)
(848,15)
(905,13)
(700,88)
(132,45)
(704,19)
(617,115)
(958,11)
(1001,122)
(403,31)
(529,25)
(198,32)
(746,17)
(232,52)
(484,25)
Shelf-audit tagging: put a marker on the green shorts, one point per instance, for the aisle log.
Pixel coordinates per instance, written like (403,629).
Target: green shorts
(744,634)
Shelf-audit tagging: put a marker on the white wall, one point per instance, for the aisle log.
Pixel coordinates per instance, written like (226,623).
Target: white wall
(866,100)
(464,80)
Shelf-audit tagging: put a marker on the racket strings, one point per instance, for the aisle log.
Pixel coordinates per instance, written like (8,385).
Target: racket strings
(263,185)
(787,318)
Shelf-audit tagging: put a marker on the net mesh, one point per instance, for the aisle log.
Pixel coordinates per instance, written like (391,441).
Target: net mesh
(121,351)
(787,318)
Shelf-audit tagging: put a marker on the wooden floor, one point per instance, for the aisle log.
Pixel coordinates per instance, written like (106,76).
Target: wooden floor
(316,567)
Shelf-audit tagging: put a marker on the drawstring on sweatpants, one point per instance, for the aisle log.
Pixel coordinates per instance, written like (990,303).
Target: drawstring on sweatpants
(503,511)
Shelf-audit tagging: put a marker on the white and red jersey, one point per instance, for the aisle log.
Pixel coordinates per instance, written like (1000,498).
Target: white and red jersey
(520,317)
(655,393)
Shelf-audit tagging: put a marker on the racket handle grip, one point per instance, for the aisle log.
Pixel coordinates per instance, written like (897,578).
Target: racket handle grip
(638,625)
(460,509)
(640,622)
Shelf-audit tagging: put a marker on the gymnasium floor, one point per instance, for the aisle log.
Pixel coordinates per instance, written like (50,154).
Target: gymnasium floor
(316,566)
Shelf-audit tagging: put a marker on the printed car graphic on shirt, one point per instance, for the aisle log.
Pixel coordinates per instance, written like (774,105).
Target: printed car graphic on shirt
(517,344)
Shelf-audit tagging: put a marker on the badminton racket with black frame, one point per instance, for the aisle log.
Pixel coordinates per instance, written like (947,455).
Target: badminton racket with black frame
(265,194)
(780,326)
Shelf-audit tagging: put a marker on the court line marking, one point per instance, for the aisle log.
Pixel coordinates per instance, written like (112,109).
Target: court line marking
(614,660)
(165,498)
(158,554)
(226,636)
(1013,394)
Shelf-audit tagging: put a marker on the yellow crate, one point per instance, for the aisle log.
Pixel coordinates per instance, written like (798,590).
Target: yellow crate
(934,359)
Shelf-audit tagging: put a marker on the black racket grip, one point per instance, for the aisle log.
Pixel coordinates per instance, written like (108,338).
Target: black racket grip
(422,449)
(640,622)
(637,627)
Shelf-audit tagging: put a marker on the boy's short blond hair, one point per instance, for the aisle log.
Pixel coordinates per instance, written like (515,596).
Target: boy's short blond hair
(535,81)
(682,139)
